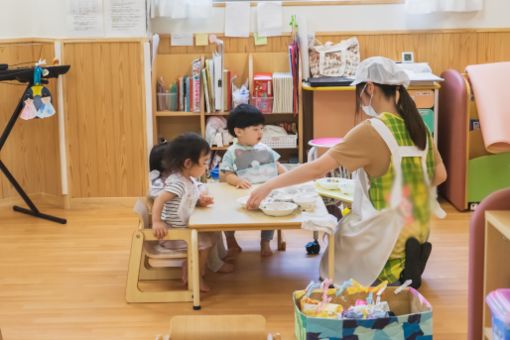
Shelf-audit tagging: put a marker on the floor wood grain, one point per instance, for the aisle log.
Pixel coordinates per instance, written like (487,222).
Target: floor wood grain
(68,281)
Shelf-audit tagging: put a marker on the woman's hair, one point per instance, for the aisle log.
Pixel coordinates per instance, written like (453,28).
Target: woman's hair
(186,146)
(243,116)
(156,156)
(406,109)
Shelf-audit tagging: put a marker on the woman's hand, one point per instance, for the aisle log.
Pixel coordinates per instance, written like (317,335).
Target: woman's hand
(257,196)
(205,200)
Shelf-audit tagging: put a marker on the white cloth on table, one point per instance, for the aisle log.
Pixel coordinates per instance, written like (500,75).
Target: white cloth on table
(326,223)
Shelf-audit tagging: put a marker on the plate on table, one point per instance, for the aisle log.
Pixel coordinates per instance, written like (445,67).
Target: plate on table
(330,183)
(346,186)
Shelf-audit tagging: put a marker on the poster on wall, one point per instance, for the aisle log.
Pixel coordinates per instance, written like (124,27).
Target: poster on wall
(125,17)
(85,17)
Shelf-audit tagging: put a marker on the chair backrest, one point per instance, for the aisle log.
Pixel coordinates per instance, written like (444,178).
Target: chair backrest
(225,327)
(490,87)
(499,200)
(141,208)
(452,137)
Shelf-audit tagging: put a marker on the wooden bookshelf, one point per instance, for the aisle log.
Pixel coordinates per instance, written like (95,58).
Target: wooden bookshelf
(176,114)
(171,65)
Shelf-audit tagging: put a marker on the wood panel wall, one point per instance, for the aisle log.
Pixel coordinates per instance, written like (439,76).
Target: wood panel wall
(105,118)
(442,49)
(32,150)
(105,104)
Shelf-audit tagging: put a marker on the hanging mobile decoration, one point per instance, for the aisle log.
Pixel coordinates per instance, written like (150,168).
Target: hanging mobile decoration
(37,99)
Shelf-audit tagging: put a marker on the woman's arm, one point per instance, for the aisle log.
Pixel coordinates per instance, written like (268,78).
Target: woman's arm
(301,174)
(439,174)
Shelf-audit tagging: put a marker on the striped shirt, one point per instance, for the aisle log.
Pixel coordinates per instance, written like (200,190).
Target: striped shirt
(176,212)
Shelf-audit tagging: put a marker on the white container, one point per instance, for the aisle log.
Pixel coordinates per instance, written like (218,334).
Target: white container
(306,201)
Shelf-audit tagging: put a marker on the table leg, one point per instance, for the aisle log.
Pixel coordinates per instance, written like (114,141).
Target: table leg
(282,245)
(195,269)
(331,257)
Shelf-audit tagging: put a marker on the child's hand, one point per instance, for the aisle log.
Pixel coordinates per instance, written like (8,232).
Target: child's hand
(159,229)
(243,184)
(205,200)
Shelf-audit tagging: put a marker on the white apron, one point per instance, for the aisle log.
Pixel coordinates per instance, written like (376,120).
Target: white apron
(366,237)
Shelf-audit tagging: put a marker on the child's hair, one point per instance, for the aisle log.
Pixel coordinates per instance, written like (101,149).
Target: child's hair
(186,146)
(156,156)
(243,116)
(406,109)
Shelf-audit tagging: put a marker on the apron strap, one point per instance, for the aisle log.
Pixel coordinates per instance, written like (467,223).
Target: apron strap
(397,153)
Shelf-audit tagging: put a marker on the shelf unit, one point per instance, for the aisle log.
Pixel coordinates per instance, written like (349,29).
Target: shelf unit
(170,66)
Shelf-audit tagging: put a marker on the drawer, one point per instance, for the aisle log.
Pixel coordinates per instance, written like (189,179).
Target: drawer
(424,99)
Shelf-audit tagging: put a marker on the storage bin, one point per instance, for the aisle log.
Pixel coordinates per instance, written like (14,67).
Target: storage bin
(412,320)
(264,104)
(166,101)
(424,99)
(275,142)
(499,304)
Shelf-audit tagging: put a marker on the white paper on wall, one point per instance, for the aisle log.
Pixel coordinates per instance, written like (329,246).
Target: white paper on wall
(269,19)
(85,17)
(237,19)
(125,17)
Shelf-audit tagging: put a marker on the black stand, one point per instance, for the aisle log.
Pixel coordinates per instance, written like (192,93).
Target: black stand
(33,211)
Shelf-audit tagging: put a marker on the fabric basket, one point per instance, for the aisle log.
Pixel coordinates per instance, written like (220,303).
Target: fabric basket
(412,320)
(334,60)
(279,142)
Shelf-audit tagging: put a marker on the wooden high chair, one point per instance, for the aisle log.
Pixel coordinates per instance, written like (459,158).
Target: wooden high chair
(146,262)
(219,327)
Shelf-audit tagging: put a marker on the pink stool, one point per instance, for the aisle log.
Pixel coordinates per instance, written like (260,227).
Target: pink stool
(324,143)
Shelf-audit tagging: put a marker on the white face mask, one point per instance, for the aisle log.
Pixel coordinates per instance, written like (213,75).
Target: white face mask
(368,109)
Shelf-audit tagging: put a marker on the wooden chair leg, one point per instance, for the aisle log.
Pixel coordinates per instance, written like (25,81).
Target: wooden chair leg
(282,245)
(133,291)
(195,268)
(135,261)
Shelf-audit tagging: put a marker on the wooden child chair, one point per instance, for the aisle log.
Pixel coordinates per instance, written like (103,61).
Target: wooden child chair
(219,327)
(147,262)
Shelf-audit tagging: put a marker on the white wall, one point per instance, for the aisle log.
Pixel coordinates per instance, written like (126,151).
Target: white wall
(355,18)
(48,18)
(15,19)
(42,19)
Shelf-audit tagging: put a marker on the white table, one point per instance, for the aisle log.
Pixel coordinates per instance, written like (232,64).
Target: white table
(226,214)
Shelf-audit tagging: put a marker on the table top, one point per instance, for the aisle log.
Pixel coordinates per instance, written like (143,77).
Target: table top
(306,87)
(500,219)
(227,214)
(334,194)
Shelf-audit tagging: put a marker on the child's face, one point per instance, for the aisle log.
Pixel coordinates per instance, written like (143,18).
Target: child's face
(250,135)
(198,170)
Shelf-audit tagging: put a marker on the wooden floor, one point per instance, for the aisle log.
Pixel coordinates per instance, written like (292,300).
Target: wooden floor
(68,281)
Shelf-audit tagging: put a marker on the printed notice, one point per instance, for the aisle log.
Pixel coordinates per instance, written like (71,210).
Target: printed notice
(85,17)
(125,17)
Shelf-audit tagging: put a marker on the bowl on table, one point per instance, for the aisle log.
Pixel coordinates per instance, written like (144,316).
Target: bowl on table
(243,200)
(282,195)
(276,208)
(307,201)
